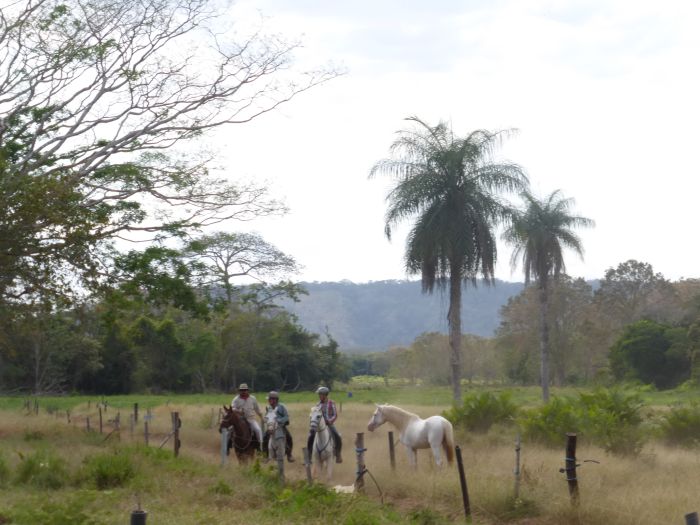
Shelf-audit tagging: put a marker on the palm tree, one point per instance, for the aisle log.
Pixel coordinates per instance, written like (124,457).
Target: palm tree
(452,186)
(539,236)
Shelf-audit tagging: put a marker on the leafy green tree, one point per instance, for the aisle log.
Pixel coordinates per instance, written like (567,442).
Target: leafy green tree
(633,291)
(453,186)
(97,101)
(225,257)
(160,354)
(539,236)
(651,352)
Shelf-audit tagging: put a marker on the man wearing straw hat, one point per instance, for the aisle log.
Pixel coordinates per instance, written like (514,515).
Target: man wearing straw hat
(248,406)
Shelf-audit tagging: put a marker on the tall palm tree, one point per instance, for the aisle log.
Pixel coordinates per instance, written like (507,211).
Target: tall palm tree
(539,235)
(452,186)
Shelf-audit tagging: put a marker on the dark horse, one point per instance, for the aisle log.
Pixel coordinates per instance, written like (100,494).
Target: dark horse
(240,438)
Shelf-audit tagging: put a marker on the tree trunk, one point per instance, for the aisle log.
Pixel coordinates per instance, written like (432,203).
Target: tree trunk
(544,339)
(454,320)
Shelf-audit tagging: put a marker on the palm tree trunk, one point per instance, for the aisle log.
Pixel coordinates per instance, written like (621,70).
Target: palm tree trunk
(454,321)
(544,339)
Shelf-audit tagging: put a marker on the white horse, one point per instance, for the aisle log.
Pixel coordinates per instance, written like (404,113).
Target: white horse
(324,447)
(415,433)
(270,427)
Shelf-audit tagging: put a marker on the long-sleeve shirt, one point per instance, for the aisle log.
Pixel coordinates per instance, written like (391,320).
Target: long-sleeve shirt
(249,406)
(282,417)
(330,413)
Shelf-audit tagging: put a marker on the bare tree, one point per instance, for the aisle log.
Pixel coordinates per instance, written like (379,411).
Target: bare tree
(227,256)
(96,96)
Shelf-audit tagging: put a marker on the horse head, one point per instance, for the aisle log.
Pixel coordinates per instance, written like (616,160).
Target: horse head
(377,419)
(316,420)
(226,418)
(271,421)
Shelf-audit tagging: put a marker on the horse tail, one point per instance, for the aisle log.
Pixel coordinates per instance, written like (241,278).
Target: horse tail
(448,441)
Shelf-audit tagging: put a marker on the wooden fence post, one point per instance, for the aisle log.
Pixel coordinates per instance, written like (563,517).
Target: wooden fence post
(692,519)
(360,451)
(131,426)
(145,431)
(175,416)
(87,423)
(36,407)
(136,412)
(570,467)
(463,485)
(516,472)
(392,453)
(307,464)
(100,410)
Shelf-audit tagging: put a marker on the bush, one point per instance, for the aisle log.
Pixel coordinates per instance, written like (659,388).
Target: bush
(681,425)
(550,423)
(108,470)
(613,420)
(607,418)
(479,412)
(42,470)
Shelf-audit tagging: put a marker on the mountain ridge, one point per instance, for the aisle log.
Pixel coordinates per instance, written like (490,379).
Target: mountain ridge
(374,316)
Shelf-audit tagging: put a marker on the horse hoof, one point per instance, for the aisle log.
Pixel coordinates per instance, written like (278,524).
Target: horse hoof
(290,459)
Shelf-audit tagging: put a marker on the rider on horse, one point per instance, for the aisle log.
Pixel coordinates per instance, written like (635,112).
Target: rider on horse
(248,406)
(330,414)
(281,417)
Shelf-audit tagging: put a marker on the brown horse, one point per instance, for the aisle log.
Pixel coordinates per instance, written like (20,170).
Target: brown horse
(241,438)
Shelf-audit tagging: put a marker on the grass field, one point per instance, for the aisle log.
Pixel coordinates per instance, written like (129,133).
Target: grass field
(658,487)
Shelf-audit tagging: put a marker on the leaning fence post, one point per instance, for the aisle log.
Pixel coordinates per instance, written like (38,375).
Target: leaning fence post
(360,451)
(392,454)
(224,445)
(463,485)
(175,416)
(516,472)
(692,519)
(570,467)
(307,464)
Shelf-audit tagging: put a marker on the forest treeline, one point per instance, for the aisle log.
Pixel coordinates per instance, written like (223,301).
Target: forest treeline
(636,326)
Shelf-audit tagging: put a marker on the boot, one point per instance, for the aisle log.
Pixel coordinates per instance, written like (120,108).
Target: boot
(290,458)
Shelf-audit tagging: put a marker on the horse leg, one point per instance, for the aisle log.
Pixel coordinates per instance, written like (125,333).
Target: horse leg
(279,452)
(329,467)
(412,457)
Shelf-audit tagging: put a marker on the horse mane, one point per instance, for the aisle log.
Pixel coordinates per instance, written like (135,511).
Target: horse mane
(397,416)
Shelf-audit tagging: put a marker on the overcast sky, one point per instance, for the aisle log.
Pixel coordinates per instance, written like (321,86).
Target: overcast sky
(604,95)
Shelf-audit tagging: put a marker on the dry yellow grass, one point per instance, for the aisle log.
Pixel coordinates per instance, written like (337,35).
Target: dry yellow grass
(658,487)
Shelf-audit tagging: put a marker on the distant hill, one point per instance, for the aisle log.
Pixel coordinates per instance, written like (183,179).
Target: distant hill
(377,315)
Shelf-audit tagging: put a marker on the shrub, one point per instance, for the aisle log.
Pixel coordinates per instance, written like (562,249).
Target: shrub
(607,418)
(69,513)
(221,488)
(612,420)
(681,425)
(550,423)
(479,412)
(42,470)
(108,470)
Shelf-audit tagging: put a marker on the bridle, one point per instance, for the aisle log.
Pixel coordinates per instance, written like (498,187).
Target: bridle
(232,435)
(320,427)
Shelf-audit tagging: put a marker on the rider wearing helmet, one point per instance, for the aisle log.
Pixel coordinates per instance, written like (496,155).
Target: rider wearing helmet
(330,414)
(273,402)
(281,417)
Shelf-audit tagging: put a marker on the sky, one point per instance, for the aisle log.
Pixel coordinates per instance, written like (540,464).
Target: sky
(604,95)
